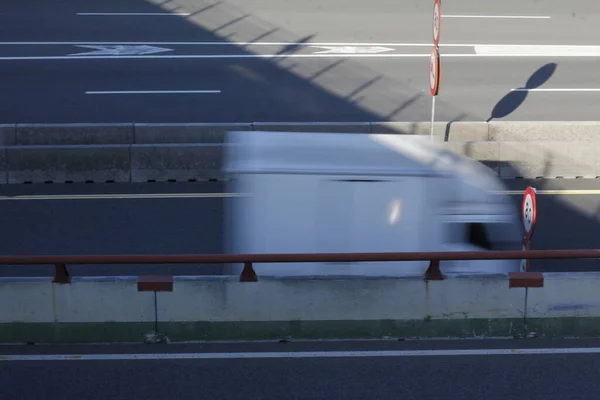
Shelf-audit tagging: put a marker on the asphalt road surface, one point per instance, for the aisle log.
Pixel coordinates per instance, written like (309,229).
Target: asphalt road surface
(121,224)
(491,370)
(284,60)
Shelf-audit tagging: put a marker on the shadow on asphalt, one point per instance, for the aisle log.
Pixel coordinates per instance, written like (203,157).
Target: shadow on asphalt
(513,100)
(184,226)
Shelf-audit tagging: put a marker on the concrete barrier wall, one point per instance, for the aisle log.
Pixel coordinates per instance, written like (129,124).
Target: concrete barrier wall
(182,152)
(138,133)
(221,308)
(197,161)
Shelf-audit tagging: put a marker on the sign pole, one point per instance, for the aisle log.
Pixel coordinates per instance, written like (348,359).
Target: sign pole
(432,116)
(435,65)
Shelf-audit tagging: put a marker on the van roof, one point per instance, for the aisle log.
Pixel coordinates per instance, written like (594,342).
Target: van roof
(342,153)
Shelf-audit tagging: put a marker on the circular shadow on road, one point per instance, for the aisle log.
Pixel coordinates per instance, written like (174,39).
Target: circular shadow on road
(513,100)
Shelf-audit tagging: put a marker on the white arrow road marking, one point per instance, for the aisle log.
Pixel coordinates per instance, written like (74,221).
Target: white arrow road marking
(351,49)
(121,50)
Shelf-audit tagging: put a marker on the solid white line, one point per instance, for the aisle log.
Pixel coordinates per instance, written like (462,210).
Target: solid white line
(155,92)
(118,196)
(556,192)
(217,56)
(499,16)
(300,354)
(137,14)
(283,56)
(121,196)
(224,43)
(554,90)
(533,50)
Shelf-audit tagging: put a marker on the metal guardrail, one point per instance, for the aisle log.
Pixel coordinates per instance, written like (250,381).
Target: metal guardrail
(249,275)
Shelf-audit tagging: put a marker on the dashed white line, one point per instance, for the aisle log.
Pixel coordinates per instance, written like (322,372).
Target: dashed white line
(154,92)
(498,16)
(556,90)
(299,354)
(135,14)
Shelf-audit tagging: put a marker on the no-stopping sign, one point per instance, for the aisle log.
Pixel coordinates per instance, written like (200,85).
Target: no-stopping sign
(437,21)
(529,210)
(434,72)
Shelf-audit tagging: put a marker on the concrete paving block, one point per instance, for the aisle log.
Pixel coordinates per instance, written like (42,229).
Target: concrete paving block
(330,127)
(550,159)
(8,135)
(68,163)
(73,134)
(176,161)
(3,166)
(478,150)
(544,130)
(185,133)
(458,131)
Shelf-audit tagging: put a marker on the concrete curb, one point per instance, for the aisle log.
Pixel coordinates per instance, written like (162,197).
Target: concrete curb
(142,133)
(112,309)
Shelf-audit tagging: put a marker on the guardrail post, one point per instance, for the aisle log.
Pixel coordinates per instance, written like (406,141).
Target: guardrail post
(61,274)
(248,274)
(433,272)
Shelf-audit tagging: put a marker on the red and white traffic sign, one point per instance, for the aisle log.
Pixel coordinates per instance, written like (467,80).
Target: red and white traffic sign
(437,21)
(529,209)
(434,72)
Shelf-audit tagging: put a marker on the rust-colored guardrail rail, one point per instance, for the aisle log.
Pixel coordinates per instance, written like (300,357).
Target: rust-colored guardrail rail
(249,275)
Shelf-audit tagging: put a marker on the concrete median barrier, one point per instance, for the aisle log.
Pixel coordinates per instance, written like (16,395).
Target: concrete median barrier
(160,133)
(185,133)
(8,135)
(328,127)
(544,131)
(143,152)
(176,162)
(109,309)
(73,134)
(38,164)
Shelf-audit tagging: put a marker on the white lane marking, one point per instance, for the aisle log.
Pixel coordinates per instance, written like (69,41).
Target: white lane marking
(138,14)
(122,196)
(556,192)
(224,43)
(299,354)
(102,50)
(282,56)
(555,90)
(218,56)
(119,196)
(499,16)
(155,92)
(533,50)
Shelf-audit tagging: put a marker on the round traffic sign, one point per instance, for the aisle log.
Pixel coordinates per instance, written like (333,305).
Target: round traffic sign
(434,72)
(529,210)
(437,21)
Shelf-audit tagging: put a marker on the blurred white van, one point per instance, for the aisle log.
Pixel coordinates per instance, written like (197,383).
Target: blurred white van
(354,193)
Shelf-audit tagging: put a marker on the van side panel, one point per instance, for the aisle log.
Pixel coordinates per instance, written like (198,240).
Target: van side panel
(294,213)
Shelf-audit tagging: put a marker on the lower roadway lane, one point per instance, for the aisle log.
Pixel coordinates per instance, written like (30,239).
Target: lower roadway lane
(418,376)
(194,225)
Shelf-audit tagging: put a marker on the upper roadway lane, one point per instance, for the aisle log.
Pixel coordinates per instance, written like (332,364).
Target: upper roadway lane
(311,83)
(120,225)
